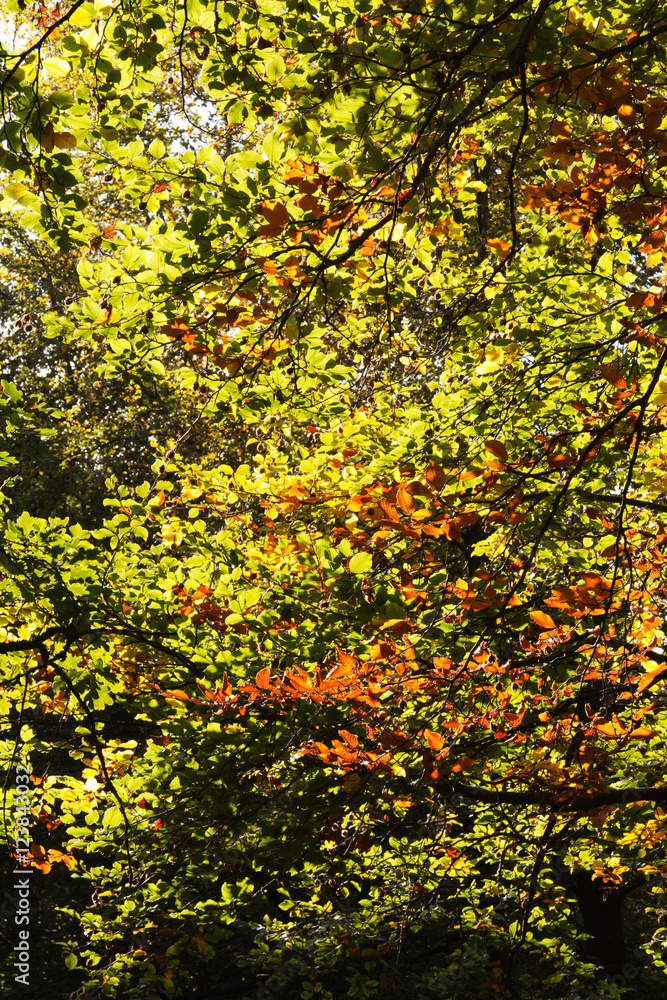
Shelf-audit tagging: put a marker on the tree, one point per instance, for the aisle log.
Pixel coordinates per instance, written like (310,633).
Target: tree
(98,427)
(373,701)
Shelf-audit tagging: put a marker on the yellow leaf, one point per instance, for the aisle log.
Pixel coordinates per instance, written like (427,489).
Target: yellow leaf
(15,190)
(57,68)
(81,17)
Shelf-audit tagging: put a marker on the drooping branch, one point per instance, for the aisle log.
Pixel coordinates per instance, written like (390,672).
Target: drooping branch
(562,803)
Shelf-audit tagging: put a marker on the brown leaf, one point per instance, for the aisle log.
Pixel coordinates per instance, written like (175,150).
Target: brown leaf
(47,141)
(497,449)
(176,329)
(435,476)
(613,377)
(64,140)
(276,216)
(627,114)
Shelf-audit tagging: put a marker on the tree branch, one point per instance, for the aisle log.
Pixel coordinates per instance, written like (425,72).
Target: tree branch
(579,802)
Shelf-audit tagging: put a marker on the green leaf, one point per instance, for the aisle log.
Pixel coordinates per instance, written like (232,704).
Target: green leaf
(275,68)
(361,563)
(273,147)
(157,149)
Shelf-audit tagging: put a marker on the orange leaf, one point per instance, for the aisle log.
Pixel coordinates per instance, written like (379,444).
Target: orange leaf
(345,659)
(349,738)
(308,202)
(404,500)
(390,510)
(514,719)
(267,265)
(291,266)
(180,695)
(276,216)
(434,740)
(293,174)
(226,686)
(542,619)
(640,299)
(262,678)
(342,670)
(462,764)
(627,111)
(104,319)
(497,449)
(300,681)
(611,729)
(398,626)
(648,679)
(500,247)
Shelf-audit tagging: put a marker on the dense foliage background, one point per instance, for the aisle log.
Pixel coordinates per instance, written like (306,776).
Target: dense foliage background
(332,564)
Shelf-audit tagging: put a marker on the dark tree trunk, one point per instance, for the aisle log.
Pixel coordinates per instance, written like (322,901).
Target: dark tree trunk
(603,919)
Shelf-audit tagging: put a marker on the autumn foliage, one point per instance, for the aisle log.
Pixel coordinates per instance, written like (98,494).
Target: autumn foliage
(357,686)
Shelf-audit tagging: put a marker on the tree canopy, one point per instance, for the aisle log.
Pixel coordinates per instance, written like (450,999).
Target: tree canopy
(332,539)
